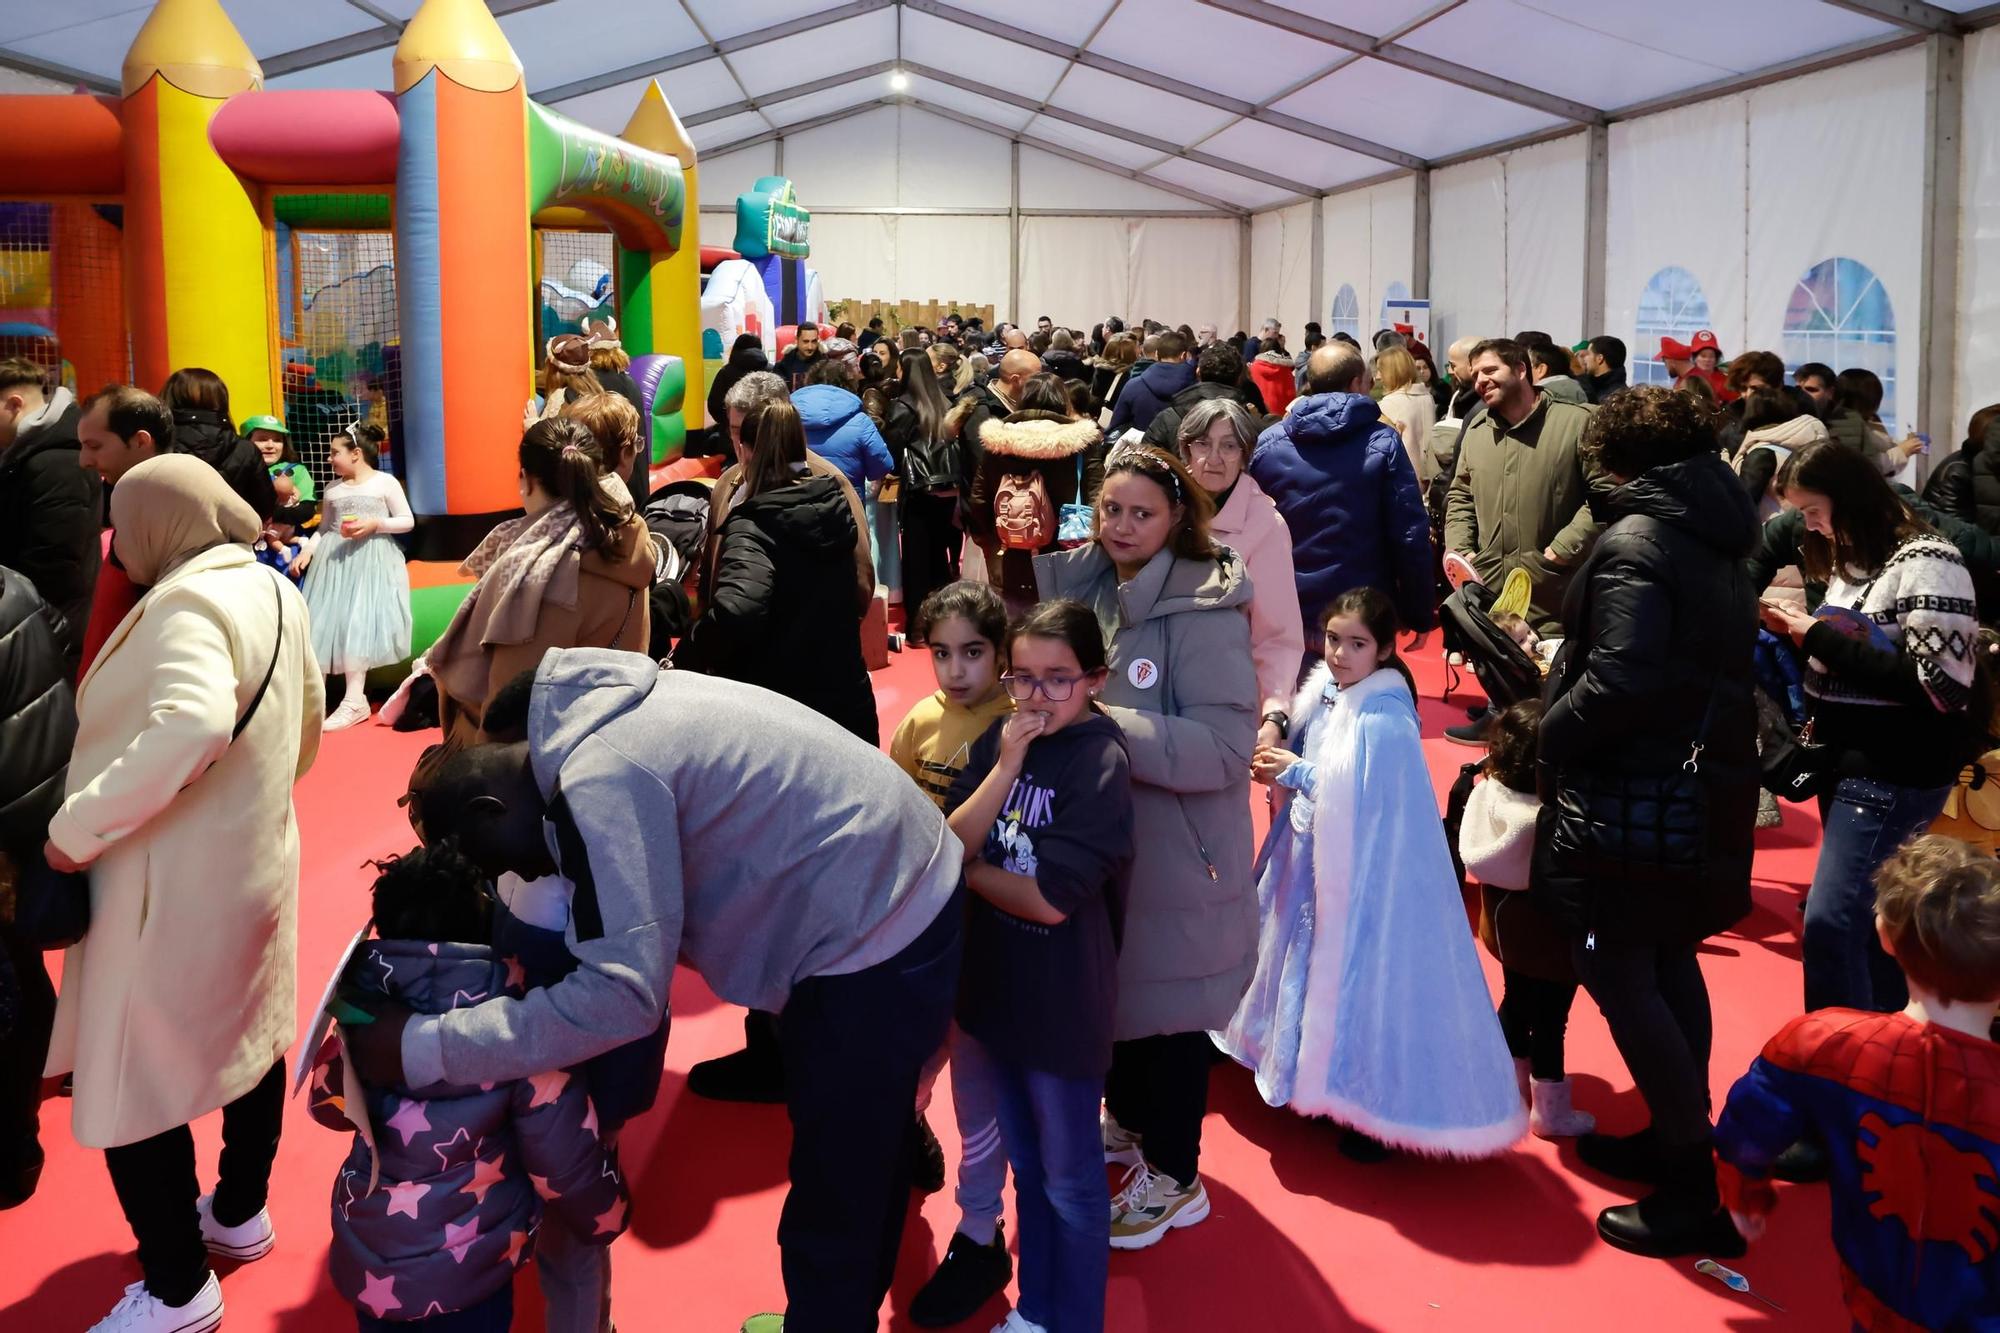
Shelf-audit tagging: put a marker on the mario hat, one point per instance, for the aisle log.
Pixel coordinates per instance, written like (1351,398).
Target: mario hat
(1704,342)
(1673,349)
(270,423)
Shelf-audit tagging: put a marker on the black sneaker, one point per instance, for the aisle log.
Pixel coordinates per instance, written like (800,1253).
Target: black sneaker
(746,1076)
(1804,1163)
(969,1276)
(926,1158)
(1470,733)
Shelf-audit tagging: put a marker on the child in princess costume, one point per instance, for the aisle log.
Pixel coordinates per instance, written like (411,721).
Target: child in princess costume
(1368,1005)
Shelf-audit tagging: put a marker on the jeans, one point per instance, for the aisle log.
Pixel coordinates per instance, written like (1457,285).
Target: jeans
(883,548)
(1060,1196)
(1158,1089)
(155,1182)
(1534,1017)
(495,1314)
(1866,821)
(853,1048)
(1656,1004)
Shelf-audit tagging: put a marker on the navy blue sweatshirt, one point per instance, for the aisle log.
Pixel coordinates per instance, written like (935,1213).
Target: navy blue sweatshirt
(1043,996)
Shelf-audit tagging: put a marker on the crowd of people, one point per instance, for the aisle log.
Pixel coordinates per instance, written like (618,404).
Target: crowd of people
(1153,571)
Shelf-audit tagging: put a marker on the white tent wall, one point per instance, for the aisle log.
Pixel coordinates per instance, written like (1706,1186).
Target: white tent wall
(1369,240)
(1978,380)
(1468,250)
(1281,270)
(902,160)
(1507,243)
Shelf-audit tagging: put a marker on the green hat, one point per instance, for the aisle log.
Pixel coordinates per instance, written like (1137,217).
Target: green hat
(269,423)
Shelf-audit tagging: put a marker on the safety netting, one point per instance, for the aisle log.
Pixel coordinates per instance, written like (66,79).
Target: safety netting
(575,284)
(62,295)
(340,345)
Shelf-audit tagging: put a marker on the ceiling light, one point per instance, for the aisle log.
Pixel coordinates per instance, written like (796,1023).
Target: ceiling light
(899,81)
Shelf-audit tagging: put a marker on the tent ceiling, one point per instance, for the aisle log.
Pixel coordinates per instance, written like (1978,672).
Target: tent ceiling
(1245,102)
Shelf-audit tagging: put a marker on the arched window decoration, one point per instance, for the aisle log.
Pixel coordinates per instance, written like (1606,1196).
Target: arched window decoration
(1395,291)
(1672,306)
(1840,316)
(1346,313)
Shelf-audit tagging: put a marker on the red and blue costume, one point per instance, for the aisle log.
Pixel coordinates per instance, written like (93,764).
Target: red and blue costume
(1910,1115)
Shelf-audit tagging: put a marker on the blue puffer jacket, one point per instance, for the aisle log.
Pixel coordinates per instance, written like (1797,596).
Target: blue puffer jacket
(841,433)
(1143,398)
(1341,478)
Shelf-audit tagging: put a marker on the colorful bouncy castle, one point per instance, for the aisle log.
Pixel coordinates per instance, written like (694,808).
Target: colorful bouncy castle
(343,253)
(773,232)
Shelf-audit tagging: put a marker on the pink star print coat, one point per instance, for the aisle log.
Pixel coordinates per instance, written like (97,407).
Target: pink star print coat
(441,1211)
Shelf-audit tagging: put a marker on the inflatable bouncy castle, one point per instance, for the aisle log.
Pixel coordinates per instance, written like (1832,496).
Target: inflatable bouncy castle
(338,253)
(773,232)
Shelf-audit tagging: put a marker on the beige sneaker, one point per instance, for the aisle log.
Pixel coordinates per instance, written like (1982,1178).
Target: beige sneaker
(1149,1205)
(1121,1145)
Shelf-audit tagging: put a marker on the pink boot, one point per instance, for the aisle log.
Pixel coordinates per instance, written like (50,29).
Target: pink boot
(1552,1116)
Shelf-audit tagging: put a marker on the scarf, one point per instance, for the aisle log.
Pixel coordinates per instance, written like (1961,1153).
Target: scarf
(522,565)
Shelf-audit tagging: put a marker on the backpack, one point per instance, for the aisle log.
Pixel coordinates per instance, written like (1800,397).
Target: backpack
(1023,518)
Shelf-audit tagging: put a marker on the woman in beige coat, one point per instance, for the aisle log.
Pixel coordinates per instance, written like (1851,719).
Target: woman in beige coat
(181,998)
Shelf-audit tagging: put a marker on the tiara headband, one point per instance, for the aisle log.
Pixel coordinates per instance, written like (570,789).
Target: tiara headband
(1150,462)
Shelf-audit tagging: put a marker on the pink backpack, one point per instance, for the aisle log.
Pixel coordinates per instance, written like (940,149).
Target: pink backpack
(1023,518)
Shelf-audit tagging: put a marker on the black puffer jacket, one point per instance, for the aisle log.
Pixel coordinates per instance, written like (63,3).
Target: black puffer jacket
(781,610)
(49,511)
(1949,487)
(37,717)
(209,437)
(1165,431)
(1660,618)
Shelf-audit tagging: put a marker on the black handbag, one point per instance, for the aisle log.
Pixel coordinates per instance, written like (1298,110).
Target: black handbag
(1795,767)
(52,907)
(1638,828)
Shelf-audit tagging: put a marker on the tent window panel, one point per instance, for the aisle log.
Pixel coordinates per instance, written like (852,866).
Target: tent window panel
(1672,306)
(1840,315)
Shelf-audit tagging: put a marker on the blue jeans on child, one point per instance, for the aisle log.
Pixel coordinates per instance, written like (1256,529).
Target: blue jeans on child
(1061,1199)
(1865,821)
(495,1314)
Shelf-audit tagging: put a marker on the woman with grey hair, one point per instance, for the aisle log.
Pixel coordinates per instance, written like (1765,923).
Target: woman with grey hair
(1216,438)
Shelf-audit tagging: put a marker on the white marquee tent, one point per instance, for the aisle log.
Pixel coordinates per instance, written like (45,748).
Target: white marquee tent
(1821,177)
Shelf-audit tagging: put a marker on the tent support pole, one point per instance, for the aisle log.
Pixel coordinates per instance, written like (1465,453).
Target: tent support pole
(778,156)
(1318,263)
(1243,275)
(1014,233)
(1938,316)
(1420,253)
(1596,225)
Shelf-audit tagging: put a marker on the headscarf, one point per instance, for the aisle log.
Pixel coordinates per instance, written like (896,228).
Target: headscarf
(171,507)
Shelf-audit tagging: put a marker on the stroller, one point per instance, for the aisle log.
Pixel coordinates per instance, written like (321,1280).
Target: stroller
(1503,668)
(677,516)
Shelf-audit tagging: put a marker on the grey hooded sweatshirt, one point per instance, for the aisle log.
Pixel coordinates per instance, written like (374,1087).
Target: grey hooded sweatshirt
(708,821)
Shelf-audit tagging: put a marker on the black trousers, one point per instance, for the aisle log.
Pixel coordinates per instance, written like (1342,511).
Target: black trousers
(1158,1089)
(931,544)
(22,1054)
(1656,1003)
(1534,1017)
(157,1188)
(854,1046)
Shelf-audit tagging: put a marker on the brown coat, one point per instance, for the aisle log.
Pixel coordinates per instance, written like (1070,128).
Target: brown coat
(611,611)
(724,494)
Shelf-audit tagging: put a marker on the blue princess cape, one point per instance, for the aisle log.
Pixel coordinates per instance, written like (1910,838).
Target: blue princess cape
(1368,1005)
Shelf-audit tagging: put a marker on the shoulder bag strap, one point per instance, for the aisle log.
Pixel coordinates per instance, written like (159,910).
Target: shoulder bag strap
(276,645)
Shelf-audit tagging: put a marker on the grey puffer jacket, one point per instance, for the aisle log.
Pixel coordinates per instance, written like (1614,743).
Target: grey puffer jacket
(1183,688)
(461,1176)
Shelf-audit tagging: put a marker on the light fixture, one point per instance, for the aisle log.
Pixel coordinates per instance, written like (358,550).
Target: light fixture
(898,81)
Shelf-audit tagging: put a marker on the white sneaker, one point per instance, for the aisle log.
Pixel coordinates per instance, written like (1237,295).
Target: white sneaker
(1121,1145)
(1151,1204)
(352,712)
(1016,1323)
(251,1240)
(142,1312)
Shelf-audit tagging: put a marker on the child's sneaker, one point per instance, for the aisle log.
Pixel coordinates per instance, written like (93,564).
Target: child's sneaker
(140,1311)
(970,1275)
(1151,1205)
(250,1241)
(1121,1145)
(1553,1117)
(764,1323)
(351,713)
(1015,1322)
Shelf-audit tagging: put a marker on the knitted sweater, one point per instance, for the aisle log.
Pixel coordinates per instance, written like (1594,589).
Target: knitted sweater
(1890,665)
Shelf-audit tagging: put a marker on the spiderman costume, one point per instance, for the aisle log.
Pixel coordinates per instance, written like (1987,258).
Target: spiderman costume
(1910,1114)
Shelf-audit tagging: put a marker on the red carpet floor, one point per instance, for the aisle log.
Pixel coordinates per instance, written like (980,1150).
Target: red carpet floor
(1300,1238)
